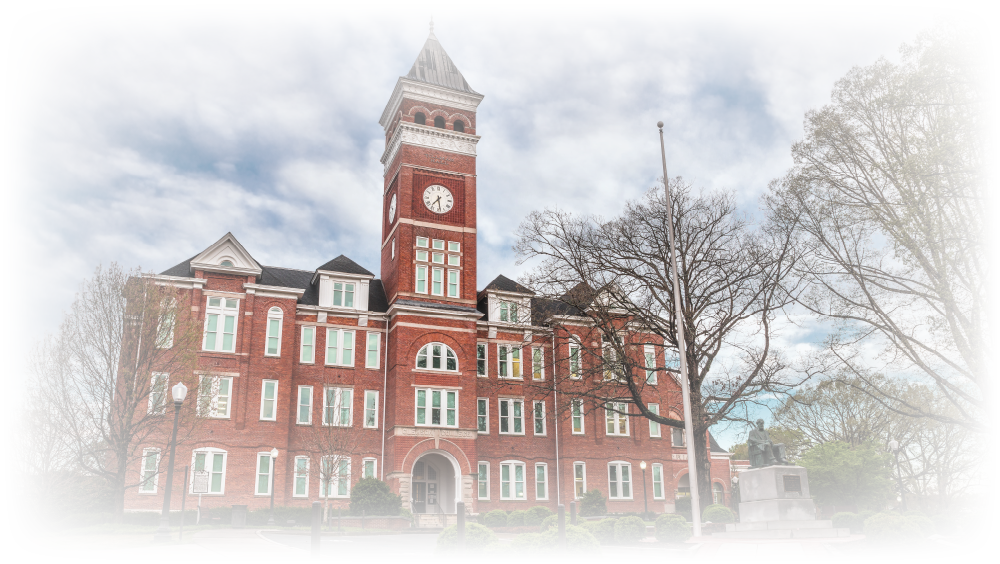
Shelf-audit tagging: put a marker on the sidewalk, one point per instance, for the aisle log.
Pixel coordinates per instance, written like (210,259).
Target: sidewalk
(217,544)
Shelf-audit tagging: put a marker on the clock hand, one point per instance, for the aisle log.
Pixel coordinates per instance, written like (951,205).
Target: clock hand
(437,201)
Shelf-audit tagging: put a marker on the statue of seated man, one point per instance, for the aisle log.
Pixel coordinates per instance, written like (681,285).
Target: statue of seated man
(762,451)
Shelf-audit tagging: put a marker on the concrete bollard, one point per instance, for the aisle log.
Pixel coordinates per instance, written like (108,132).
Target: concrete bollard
(562,523)
(317,517)
(460,525)
(572,513)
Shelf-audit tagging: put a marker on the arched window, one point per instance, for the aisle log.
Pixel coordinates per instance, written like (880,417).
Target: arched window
(439,122)
(226,263)
(460,126)
(437,356)
(420,118)
(274,316)
(718,494)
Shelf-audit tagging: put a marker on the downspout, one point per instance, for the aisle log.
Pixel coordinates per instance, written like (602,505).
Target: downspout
(555,413)
(385,379)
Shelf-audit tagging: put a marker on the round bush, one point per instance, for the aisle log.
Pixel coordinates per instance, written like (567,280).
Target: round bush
(500,553)
(522,545)
(495,518)
(716,513)
(476,537)
(671,527)
(536,515)
(977,524)
(550,522)
(891,527)
(944,525)
(846,520)
(592,504)
(516,518)
(629,530)
(604,531)
(373,497)
(923,522)
(581,546)
(866,514)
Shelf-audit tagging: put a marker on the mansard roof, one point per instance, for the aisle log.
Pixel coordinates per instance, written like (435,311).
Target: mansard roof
(503,284)
(434,66)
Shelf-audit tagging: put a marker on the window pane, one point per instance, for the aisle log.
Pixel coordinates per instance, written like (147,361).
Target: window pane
(347,358)
(230,303)
(349,295)
(452,362)
(214,302)
(211,331)
(227,337)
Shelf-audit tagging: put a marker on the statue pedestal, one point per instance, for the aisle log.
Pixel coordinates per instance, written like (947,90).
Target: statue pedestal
(775,504)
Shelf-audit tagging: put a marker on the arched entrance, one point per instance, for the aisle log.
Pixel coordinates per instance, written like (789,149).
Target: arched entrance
(435,485)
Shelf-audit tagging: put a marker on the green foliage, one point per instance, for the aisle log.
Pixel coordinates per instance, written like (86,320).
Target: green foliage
(740,451)
(536,515)
(500,553)
(892,527)
(853,521)
(977,524)
(516,518)
(522,546)
(495,518)
(371,496)
(682,506)
(716,513)
(944,525)
(603,530)
(671,527)
(577,539)
(405,513)
(841,475)
(592,504)
(629,530)
(552,521)
(476,537)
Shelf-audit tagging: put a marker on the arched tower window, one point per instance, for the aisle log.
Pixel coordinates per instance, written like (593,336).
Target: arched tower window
(460,126)
(437,356)
(439,122)
(420,118)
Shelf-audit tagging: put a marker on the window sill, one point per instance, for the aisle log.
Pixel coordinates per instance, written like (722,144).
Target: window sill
(437,371)
(303,424)
(146,493)
(339,365)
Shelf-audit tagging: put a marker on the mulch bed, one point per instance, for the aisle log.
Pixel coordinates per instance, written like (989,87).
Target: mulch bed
(933,550)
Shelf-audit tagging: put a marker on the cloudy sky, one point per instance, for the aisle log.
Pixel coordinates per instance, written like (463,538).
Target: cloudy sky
(143,137)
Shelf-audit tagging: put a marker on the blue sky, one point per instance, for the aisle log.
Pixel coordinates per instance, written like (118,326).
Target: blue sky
(142,137)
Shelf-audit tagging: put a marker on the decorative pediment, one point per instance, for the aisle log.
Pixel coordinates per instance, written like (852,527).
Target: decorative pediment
(228,256)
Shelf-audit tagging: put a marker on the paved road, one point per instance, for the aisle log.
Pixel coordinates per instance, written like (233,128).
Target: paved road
(398,548)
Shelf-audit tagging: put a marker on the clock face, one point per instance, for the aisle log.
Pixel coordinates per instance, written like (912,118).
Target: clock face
(438,199)
(392,208)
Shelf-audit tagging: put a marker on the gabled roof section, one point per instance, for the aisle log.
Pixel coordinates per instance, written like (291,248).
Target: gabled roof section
(229,250)
(503,284)
(183,270)
(434,66)
(345,265)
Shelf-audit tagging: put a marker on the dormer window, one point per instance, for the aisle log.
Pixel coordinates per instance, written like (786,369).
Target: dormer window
(508,312)
(343,294)
(226,263)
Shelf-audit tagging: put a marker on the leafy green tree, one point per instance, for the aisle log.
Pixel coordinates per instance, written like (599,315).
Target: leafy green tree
(858,477)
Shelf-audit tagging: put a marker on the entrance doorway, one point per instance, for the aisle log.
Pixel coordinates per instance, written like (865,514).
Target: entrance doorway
(434,484)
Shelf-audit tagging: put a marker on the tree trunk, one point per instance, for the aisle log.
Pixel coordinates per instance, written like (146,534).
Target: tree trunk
(702,461)
(118,490)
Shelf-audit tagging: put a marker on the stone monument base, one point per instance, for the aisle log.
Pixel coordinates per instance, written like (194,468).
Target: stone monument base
(777,510)
(782,530)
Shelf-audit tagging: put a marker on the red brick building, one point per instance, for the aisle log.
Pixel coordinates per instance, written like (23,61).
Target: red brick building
(417,378)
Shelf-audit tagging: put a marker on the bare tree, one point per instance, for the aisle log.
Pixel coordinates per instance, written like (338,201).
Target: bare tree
(102,381)
(333,443)
(616,274)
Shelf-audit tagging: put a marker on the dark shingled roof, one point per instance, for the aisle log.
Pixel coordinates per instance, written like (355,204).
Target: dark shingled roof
(714,446)
(182,269)
(504,284)
(450,307)
(377,301)
(344,264)
(434,66)
(285,277)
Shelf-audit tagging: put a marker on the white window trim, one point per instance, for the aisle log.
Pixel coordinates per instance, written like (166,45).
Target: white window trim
(298,405)
(650,369)
(216,382)
(510,415)
(513,481)
(271,315)
(339,348)
(296,475)
(335,483)
(584,465)
(545,427)
(221,312)
(575,344)
(444,409)
(374,462)
(436,255)
(486,402)
(457,249)
(583,421)
(655,408)
(542,350)
(156,472)
(337,405)
(631,481)
(478,481)
(364,416)
(162,408)
(545,468)
(510,362)
(425,240)
(614,414)
(663,491)
(434,244)
(458,283)
(274,409)
(378,349)
(486,360)
(209,454)
(270,474)
(430,362)
(416,280)
(312,345)
(443,281)
(672,432)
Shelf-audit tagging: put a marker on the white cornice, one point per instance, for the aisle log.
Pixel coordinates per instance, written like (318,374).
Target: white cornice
(339,311)
(273,291)
(428,136)
(504,293)
(344,275)
(430,311)
(423,92)
(177,281)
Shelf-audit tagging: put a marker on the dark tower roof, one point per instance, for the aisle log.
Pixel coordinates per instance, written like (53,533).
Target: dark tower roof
(434,66)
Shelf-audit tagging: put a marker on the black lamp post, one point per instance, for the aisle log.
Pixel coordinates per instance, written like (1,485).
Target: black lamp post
(894,447)
(179,392)
(645,500)
(274,457)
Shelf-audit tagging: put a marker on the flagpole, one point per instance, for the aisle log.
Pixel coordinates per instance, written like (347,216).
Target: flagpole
(682,352)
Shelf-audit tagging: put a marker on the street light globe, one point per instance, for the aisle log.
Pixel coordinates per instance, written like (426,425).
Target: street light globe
(179,392)
(894,445)
(274,453)
(642,465)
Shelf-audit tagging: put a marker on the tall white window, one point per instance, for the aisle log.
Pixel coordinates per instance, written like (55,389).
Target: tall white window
(214,394)
(452,283)
(438,408)
(511,416)
(437,356)
(421,278)
(371,409)
(158,393)
(509,361)
(483,415)
(339,347)
(579,479)
(577,413)
(657,481)
(165,327)
(307,348)
(212,461)
(483,480)
(304,413)
(265,470)
(372,356)
(148,473)
(650,356)
(437,281)
(677,437)
(268,400)
(539,417)
(337,406)
(616,419)
(343,294)
(654,427)
(392,249)
(619,480)
(537,363)
(574,361)
(335,477)
(220,324)
(481,359)
(368,468)
(511,480)
(541,481)
(273,340)
(301,486)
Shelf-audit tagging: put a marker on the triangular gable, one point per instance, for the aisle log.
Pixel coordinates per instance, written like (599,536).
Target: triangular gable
(226,249)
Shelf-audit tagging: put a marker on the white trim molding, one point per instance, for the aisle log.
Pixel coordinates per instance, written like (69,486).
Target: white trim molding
(427,136)
(423,92)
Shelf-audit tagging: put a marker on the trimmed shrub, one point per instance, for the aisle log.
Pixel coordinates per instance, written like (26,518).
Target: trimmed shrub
(603,530)
(852,521)
(495,518)
(581,546)
(372,496)
(522,546)
(716,513)
(944,525)
(516,518)
(891,527)
(682,506)
(406,513)
(476,537)
(671,527)
(551,522)
(499,553)
(866,514)
(922,521)
(977,524)
(592,504)
(536,515)
(629,530)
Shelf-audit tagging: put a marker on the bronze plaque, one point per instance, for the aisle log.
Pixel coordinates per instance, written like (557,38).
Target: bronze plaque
(792,484)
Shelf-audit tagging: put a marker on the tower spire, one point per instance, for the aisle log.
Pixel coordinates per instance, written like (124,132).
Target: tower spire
(432,28)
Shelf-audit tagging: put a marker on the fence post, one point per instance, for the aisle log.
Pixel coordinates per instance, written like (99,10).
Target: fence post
(362,519)
(460,525)
(572,513)
(562,523)
(317,516)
